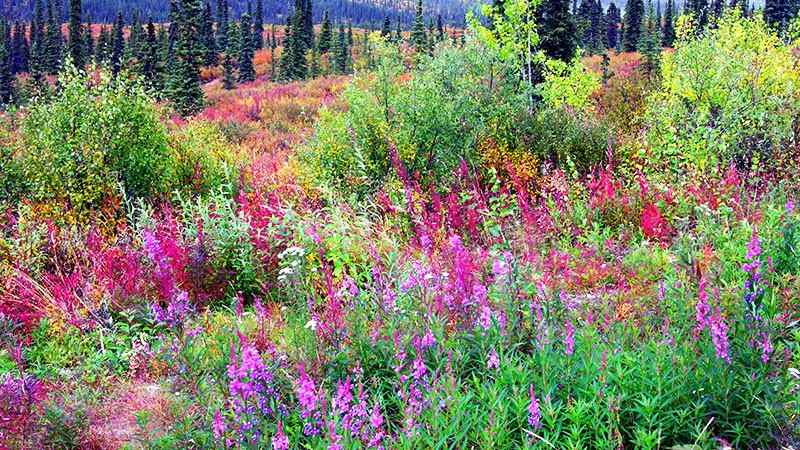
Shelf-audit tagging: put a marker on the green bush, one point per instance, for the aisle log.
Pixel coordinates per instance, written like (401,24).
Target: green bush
(10,174)
(92,137)
(564,140)
(203,159)
(731,96)
(434,117)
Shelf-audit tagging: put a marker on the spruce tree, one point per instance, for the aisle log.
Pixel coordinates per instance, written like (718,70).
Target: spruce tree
(315,69)
(418,38)
(88,40)
(557,29)
(228,76)
(20,48)
(668,37)
(258,26)
(247,72)
(222,25)
(183,84)
(350,40)
(634,22)
(234,38)
(398,32)
(779,13)
(54,40)
(134,45)
(149,66)
(307,23)
(210,53)
(341,51)
(6,74)
(650,45)
(658,16)
(612,24)
(76,44)
(284,68)
(298,67)
(117,44)
(386,30)
(439,28)
(38,66)
(101,53)
(325,35)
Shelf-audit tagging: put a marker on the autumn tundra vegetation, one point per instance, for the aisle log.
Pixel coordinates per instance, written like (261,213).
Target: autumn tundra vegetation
(547,226)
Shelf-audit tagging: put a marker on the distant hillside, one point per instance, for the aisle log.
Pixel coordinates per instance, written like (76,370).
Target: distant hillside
(361,12)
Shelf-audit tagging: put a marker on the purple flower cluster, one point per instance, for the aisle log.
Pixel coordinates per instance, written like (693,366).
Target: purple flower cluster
(254,397)
(163,271)
(174,316)
(719,335)
(534,411)
(569,339)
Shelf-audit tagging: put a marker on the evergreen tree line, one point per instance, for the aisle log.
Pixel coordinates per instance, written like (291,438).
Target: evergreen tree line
(170,57)
(362,14)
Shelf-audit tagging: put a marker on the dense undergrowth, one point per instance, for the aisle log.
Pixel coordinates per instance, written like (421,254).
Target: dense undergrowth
(411,258)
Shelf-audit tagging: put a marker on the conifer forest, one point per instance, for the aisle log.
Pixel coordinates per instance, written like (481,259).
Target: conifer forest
(409,224)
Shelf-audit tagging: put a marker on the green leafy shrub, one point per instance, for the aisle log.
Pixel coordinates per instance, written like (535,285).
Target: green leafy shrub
(204,161)
(564,140)
(433,117)
(94,135)
(731,96)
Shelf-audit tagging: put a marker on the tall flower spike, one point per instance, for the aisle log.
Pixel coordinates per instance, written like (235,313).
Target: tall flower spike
(534,412)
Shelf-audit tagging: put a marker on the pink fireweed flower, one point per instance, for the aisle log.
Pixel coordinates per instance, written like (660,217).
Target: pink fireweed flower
(789,207)
(419,365)
(428,341)
(719,335)
(702,308)
(219,426)
(766,347)
(343,396)
(569,339)
(534,412)
(753,247)
(376,419)
(259,308)
(390,299)
(280,441)
(494,360)
(306,394)
(335,438)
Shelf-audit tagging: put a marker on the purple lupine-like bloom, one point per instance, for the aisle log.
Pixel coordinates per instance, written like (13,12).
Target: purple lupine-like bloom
(280,441)
(569,339)
(175,314)
(493,361)
(753,247)
(719,335)
(789,206)
(534,411)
